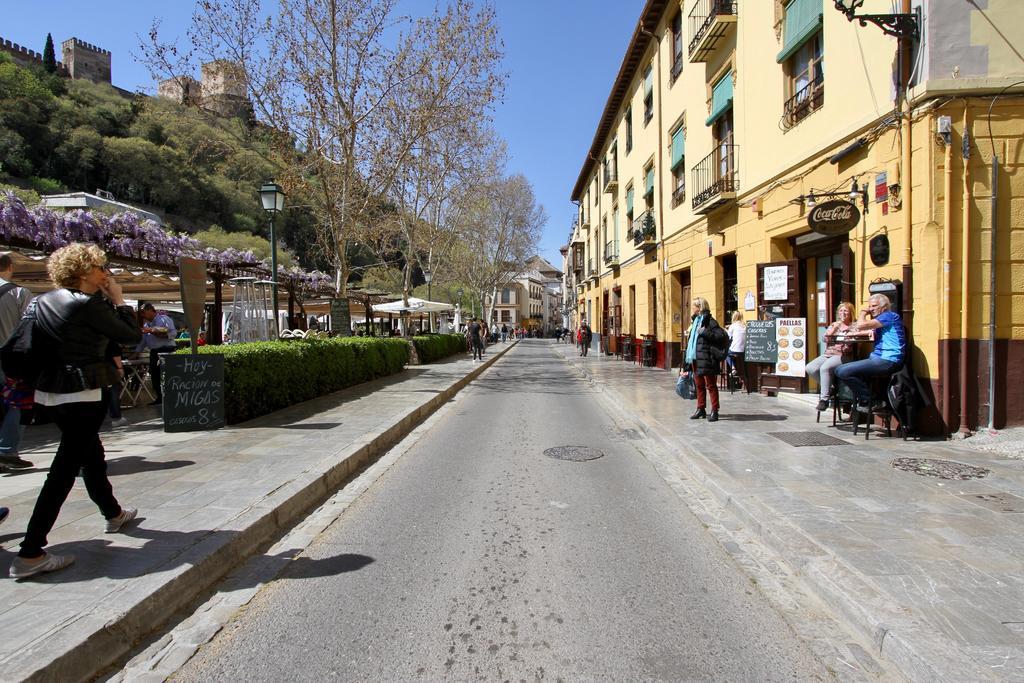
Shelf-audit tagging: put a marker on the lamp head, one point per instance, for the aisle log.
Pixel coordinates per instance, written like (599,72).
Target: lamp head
(272,197)
(811,201)
(855,190)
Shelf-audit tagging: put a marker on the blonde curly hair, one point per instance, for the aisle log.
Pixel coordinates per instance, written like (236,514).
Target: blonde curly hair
(68,265)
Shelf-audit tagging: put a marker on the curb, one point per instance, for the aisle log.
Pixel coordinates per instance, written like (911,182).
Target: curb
(115,635)
(896,634)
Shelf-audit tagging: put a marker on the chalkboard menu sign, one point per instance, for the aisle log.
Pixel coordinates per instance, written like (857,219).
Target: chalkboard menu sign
(341,322)
(193,392)
(761,346)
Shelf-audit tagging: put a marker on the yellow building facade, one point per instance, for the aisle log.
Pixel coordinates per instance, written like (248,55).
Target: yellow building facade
(730,121)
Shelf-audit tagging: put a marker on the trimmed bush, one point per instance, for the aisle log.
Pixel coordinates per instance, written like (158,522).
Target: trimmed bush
(434,347)
(261,377)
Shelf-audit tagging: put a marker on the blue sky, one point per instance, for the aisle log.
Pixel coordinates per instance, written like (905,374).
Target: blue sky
(561,56)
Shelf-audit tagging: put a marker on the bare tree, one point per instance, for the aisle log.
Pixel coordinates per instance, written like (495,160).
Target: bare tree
(330,78)
(445,112)
(502,229)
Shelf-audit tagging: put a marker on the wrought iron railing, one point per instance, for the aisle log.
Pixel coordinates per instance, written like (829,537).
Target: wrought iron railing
(610,174)
(644,228)
(715,174)
(806,101)
(679,194)
(611,252)
(702,16)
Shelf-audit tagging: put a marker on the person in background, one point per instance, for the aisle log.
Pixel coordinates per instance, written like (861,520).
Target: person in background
(700,359)
(112,394)
(80,324)
(13,302)
(504,332)
(889,352)
(158,333)
(475,339)
(836,353)
(737,344)
(585,337)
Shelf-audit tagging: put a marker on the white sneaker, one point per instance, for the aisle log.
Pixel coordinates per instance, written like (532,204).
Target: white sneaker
(114,524)
(22,568)
(119,422)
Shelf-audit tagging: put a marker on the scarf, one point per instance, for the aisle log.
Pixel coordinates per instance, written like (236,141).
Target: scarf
(691,346)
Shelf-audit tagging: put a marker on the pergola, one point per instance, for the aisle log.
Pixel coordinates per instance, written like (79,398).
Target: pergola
(143,257)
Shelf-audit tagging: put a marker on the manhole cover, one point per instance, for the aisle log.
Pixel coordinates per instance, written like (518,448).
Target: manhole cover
(574,453)
(808,439)
(942,469)
(1000,502)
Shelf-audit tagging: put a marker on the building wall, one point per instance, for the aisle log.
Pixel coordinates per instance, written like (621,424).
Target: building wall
(922,218)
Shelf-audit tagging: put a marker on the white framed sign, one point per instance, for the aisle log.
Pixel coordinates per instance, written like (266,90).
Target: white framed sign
(791,340)
(776,283)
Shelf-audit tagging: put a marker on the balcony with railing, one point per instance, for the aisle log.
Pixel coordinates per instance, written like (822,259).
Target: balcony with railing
(584,218)
(644,230)
(710,21)
(805,102)
(611,178)
(577,258)
(611,254)
(715,181)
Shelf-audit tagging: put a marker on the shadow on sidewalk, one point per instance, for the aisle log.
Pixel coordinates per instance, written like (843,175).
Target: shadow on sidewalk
(98,558)
(133,464)
(751,417)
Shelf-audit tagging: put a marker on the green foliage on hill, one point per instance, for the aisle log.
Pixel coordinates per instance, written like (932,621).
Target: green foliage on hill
(197,170)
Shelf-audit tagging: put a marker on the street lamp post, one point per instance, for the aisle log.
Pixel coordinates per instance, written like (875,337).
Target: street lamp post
(427,277)
(272,197)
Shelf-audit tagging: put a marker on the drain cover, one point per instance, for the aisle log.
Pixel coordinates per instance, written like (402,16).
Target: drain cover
(1000,502)
(808,439)
(574,453)
(942,469)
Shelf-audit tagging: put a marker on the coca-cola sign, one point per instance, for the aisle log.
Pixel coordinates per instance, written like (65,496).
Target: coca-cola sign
(836,217)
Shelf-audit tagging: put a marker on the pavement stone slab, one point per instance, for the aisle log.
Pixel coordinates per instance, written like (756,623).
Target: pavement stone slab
(930,577)
(207,500)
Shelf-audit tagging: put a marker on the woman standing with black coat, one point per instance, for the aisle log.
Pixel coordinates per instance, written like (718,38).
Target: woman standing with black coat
(704,353)
(80,323)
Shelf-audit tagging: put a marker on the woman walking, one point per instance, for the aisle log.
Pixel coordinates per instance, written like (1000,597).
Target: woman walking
(705,341)
(81,323)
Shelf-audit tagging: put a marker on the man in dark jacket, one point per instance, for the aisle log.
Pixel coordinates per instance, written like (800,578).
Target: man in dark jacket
(585,337)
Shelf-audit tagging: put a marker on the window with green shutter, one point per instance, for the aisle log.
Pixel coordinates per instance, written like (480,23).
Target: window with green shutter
(629,202)
(649,182)
(678,147)
(803,20)
(721,98)
(648,95)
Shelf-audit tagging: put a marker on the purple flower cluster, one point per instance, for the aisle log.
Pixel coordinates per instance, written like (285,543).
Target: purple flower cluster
(127,236)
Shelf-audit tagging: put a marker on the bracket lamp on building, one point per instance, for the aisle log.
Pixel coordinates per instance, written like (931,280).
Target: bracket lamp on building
(811,199)
(899,25)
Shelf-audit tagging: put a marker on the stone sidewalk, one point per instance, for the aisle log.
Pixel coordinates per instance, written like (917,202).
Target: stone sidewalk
(928,569)
(207,501)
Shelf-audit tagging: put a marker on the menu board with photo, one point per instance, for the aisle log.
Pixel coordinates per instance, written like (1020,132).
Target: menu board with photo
(791,339)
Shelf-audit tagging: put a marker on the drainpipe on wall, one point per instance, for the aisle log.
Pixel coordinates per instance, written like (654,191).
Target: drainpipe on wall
(965,281)
(907,184)
(947,277)
(992,296)
(662,302)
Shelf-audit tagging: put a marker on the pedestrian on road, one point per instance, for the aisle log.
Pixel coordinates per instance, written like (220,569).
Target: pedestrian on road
(475,340)
(585,337)
(706,348)
(504,332)
(81,323)
(13,302)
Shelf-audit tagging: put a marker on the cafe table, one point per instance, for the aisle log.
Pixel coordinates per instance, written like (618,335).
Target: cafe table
(133,382)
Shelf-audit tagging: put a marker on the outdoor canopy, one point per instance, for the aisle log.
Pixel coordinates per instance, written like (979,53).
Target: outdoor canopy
(415,306)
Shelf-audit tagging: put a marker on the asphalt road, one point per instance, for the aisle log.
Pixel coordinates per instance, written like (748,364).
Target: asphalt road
(476,557)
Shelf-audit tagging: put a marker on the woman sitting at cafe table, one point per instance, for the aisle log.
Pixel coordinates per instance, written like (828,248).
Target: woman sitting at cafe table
(837,352)
(889,352)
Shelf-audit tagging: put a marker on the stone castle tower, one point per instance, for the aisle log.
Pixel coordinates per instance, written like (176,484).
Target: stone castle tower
(222,89)
(86,61)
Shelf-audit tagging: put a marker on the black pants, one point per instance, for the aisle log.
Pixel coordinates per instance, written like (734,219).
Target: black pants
(478,349)
(155,371)
(80,450)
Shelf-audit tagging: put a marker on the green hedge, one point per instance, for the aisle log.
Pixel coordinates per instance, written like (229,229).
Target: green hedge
(261,377)
(437,346)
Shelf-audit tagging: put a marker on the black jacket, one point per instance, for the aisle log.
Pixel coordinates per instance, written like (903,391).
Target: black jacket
(706,362)
(82,326)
